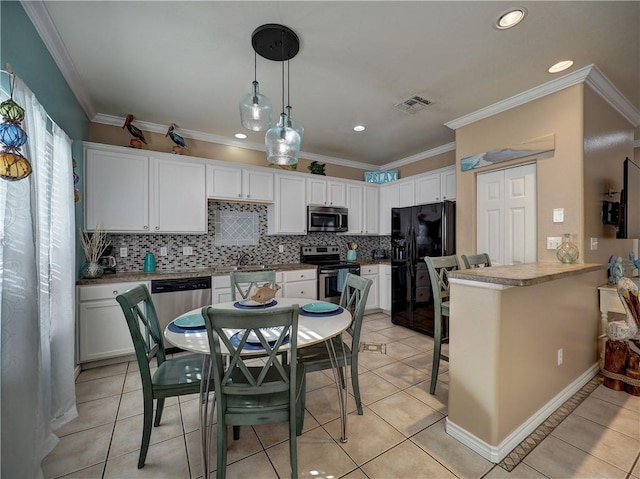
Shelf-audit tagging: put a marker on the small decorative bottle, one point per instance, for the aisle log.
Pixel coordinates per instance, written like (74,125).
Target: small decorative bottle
(567,252)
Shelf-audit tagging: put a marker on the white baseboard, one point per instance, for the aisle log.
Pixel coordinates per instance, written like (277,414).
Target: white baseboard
(497,453)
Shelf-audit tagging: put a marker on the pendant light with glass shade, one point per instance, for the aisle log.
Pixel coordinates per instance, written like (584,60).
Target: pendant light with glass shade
(256,112)
(292,122)
(279,43)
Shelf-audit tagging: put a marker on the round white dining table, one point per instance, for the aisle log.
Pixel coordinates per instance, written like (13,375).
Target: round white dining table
(312,329)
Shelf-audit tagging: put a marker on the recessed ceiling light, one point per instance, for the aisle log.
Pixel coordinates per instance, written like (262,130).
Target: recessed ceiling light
(240,136)
(359,128)
(560,66)
(510,18)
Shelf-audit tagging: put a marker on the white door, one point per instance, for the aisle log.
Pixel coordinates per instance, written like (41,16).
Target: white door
(506,208)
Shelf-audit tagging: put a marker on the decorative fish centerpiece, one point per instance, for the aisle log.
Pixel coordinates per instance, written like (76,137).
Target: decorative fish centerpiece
(264,294)
(138,137)
(177,139)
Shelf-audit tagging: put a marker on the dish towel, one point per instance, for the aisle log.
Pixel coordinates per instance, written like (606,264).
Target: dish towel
(342,277)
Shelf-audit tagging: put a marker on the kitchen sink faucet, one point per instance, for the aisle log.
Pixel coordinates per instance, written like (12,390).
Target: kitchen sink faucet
(242,256)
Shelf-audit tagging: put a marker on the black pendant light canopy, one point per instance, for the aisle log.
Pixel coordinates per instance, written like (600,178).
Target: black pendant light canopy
(275,42)
(279,43)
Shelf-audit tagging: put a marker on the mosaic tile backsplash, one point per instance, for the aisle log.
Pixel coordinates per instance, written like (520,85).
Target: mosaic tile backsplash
(208,253)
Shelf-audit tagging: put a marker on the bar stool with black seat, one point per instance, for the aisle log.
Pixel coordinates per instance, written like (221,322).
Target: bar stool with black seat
(249,394)
(438,268)
(480,260)
(177,376)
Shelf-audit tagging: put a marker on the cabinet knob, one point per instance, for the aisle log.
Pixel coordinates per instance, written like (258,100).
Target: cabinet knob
(146,227)
(239,195)
(115,293)
(157,228)
(301,292)
(248,196)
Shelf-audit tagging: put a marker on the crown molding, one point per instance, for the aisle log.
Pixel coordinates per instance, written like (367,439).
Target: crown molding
(210,137)
(39,16)
(420,156)
(521,98)
(609,93)
(590,75)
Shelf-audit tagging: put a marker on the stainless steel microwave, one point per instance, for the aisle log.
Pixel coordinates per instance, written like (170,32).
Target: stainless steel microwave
(327,219)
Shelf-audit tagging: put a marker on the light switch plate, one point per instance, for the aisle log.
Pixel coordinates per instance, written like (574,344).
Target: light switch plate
(594,244)
(123,252)
(163,251)
(558,215)
(187,250)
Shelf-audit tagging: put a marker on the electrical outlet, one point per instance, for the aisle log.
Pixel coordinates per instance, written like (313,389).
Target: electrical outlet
(123,252)
(281,248)
(187,250)
(559,356)
(594,244)
(163,251)
(553,242)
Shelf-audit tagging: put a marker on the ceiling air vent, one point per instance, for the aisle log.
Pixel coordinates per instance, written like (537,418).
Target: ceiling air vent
(413,104)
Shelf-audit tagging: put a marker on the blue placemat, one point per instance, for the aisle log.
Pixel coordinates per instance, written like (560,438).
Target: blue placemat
(177,329)
(238,305)
(321,315)
(235,341)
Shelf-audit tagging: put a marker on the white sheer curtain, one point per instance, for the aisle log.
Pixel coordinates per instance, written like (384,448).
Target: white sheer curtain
(37,277)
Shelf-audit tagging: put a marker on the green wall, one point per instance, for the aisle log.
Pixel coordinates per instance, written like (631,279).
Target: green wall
(22,47)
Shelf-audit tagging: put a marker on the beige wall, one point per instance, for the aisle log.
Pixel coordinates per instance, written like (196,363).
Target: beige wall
(503,350)
(559,177)
(114,135)
(608,140)
(428,164)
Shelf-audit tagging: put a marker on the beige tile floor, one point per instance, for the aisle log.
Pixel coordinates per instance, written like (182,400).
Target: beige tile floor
(400,435)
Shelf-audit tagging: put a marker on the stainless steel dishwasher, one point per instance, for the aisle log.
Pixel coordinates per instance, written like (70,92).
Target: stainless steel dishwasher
(172,297)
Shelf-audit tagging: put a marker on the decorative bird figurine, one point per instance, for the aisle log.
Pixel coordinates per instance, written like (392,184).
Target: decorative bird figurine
(627,329)
(177,139)
(135,132)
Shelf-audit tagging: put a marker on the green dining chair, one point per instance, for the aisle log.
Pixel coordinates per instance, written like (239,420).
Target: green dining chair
(480,260)
(439,268)
(244,282)
(316,357)
(177,376)
(248,394)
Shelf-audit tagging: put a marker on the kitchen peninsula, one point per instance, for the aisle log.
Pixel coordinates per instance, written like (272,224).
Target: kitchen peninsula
(523,339)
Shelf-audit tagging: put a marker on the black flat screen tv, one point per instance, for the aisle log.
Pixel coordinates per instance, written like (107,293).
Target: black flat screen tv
(629,226)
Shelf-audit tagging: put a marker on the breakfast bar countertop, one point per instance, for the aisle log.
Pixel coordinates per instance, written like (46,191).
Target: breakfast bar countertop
(526,274)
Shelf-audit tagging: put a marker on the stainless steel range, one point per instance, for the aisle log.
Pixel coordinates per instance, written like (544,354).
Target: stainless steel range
(330,269)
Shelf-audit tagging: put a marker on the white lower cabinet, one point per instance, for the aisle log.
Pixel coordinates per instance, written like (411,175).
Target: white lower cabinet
(102,328)
(371,272)
(300,283)
(385,286)
(221,288)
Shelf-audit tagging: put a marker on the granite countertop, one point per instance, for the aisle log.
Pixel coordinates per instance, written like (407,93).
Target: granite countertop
(524,274)
(177,273)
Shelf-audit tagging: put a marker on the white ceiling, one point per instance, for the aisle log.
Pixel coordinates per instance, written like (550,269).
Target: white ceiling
(190,62)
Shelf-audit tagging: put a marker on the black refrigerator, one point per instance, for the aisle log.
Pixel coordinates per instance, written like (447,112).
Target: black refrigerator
(416,232)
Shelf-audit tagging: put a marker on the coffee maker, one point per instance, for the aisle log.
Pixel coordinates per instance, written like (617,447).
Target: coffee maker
(108,261)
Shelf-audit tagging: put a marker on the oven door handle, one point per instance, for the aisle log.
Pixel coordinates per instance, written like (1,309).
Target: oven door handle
(329,272)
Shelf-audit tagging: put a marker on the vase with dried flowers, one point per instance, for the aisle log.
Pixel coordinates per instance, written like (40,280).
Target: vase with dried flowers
(93,245)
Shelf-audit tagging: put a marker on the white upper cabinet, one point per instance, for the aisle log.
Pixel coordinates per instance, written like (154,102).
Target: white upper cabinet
(132,192)
(407,193)
(326,192)
(389,198)
(438,186)
(116,191)
(355,205)
(178,196)
(240,184)
(288,214)
(371,210)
